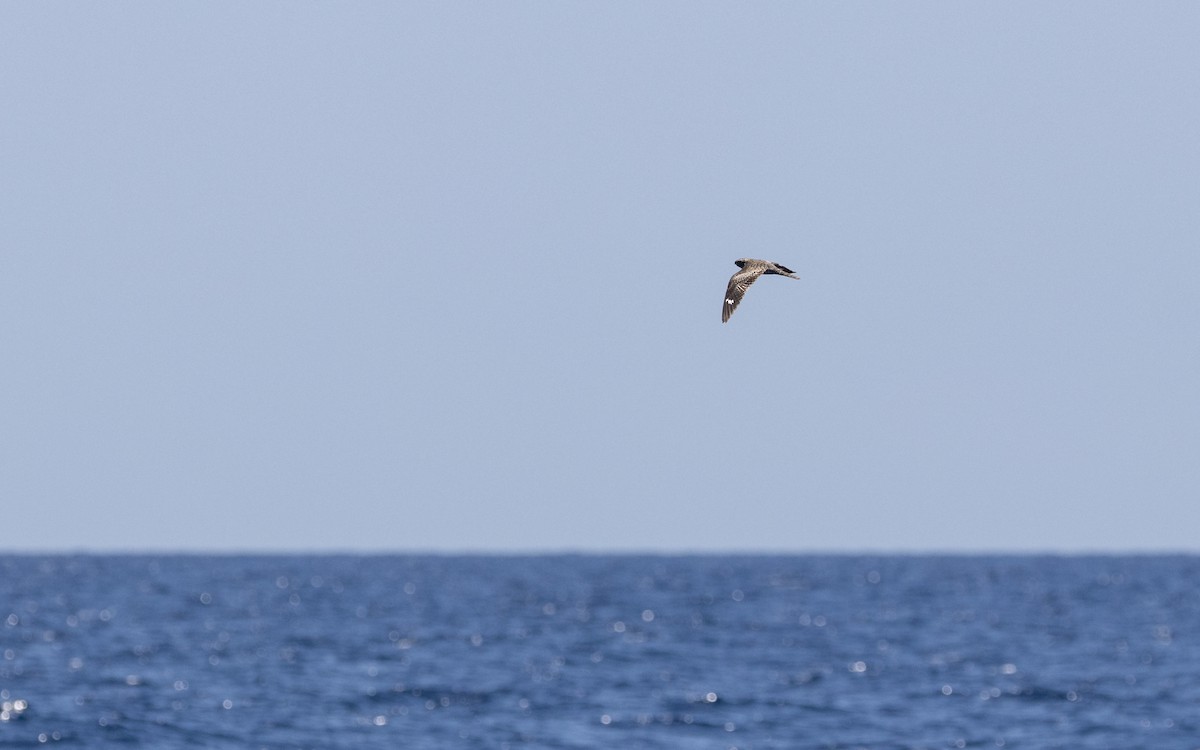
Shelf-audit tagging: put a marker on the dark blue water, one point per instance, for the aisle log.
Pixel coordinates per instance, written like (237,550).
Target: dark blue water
(600,652)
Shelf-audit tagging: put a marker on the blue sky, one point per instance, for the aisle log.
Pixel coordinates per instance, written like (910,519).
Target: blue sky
(447,276)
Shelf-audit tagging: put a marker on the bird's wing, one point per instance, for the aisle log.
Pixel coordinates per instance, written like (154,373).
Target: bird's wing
(738,284)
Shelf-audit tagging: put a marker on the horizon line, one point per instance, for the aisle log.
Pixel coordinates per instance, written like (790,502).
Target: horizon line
(586,552)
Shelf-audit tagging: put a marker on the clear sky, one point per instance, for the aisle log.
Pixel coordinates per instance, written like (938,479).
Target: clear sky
(448,276)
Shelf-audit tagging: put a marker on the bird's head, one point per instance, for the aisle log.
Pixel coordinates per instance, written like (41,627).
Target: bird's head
(740,262)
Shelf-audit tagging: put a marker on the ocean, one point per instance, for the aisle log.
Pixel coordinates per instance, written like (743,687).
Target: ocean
(604,651)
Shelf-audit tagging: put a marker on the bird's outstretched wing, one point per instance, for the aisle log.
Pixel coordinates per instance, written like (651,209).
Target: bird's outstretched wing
(738,284)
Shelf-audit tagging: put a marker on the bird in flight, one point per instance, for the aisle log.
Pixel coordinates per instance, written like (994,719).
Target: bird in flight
(751,269)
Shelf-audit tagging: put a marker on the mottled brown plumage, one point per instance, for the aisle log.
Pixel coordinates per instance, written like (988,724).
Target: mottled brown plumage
(752,268)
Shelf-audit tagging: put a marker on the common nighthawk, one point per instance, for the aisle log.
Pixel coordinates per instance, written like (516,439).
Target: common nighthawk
(752,268)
